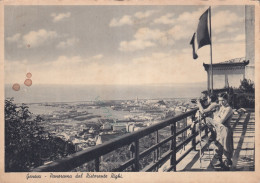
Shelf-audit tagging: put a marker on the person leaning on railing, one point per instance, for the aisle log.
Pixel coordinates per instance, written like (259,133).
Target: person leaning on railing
(209,112)
(224,139)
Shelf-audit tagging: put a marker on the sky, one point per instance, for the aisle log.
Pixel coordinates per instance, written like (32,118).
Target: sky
(116,45)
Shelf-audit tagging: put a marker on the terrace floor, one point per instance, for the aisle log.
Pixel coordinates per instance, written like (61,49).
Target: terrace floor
(243,125)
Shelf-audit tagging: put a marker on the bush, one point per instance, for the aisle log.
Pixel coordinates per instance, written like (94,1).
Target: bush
(247,86)
(27,145)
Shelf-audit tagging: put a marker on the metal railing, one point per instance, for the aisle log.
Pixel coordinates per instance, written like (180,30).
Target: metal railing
(132,139)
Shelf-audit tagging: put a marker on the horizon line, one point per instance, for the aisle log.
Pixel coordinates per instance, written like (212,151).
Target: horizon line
(117,84)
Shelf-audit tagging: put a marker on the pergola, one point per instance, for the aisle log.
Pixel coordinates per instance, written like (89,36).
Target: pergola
(227,73)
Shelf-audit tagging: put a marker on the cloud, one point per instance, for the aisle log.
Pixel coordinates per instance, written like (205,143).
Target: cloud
(180,27)
(165,19)
(240,37)
(125,20)
(146,33)
(233,39)
(37,38)
(177,32)
(134,45)
(16,70)
(223,19)
(227,51)
(190,18)
(166,67)
(145,14)
(131,19)
(60,16)
(186,18)
(222,51)
(232,29)
(186,23)
(153,58)
(15,65)
(162,67)
(14,38)
(67,43)
(66,62)
(98,57)
(144,38)
(156,67)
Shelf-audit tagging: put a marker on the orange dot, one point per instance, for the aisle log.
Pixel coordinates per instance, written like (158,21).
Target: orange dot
(29,75)
(16,87)
(28,82)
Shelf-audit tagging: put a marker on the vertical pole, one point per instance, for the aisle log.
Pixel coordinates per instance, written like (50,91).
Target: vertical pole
(200,137)
(156,152)
(211,69)
(208,81)
(132,151)
(173,146)
(137,167)
(226,81)
(244,73)
(97,162)
(206,128)
(193,132)
(157,141)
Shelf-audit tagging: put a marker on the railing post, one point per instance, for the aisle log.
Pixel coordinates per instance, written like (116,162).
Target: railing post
(173,146)
(206,128)
(193,132)
(194,138)
(132,150)
(185,125)
(157,141)
(97,163)
(157,151)
(137,167)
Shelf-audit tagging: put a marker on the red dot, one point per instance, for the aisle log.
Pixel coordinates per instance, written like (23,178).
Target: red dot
(29,75)
(16,87)
(28,82)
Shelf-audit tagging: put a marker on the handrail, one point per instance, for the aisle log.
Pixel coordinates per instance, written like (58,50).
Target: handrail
(79,158)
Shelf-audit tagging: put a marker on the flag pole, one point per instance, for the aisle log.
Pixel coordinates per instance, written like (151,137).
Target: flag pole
(211,69)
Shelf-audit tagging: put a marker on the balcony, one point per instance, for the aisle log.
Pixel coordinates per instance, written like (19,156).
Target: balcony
(188,148)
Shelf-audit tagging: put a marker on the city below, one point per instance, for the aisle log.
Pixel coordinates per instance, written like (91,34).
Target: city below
(87,124)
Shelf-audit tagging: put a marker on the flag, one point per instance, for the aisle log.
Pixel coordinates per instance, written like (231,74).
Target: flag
(193,43)
(201,37)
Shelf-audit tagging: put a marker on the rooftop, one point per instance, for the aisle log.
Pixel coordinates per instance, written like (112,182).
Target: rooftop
(228,63)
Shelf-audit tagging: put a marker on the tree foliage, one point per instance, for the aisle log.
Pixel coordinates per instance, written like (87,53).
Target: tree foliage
(247,86)
(27,145)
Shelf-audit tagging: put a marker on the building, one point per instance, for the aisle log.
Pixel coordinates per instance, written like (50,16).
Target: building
(119,127)
(99,140)
(230,72)
(227,74)
(250,41)
(107,126)
(130,127)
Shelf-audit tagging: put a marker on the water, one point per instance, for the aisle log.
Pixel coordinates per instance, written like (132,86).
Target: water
(72,93)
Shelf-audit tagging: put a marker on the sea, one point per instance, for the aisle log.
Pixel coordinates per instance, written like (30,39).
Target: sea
(80,93)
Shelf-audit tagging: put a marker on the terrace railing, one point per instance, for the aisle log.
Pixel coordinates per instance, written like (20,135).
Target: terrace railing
(132,139)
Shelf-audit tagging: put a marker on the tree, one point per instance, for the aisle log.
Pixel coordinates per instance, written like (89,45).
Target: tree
(27,145)
(247,86)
